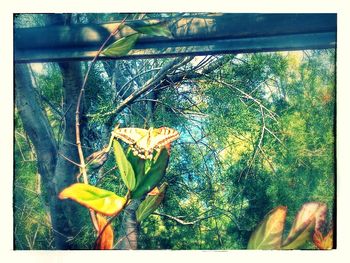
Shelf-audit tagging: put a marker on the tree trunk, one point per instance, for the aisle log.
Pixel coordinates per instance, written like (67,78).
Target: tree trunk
(37,127)
(130,228)
(56,171)
(66,172)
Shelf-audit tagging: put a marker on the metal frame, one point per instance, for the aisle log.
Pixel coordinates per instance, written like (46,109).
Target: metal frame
(193,35)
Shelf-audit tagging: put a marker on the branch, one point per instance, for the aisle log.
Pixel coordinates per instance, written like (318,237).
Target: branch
(193,74)
(178,220)
(258,146)
(101,231)
(267,159)
(122,238)
(77,112)
(162,75)
(273,134)
(133,79)
(231,216)
(147,87)
(69,160)
(272,115)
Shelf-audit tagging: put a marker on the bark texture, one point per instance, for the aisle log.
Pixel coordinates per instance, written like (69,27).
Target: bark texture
(56,171)
(130,228)
(66,172)
(36,124)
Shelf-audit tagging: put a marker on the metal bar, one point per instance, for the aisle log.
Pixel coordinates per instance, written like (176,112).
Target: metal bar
(211,34)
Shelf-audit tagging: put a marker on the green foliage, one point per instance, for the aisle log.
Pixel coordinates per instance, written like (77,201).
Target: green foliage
(139,175)
(32,222)
(104,202)
(155,172)
(151,203)
(157,29)
(97,199)
(138,166)
(125,168)
(122,46)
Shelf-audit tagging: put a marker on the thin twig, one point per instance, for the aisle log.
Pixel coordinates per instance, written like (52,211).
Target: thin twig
(69,160)
(20,149)
(105,173)
(122,238)
(182,222)
(27,189)
(272,115)
(77,122)
(151,84)
(35,235)
(273,134)
(41,223)
(131,80)
(267,159)
(110,220)
(258,146)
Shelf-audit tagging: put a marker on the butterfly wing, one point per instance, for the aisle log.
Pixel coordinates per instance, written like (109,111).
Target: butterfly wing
(137,139)
(161,137)
(130,135)
(144,142)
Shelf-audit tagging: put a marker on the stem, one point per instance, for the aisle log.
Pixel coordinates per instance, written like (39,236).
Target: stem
(111,219)
(77,123)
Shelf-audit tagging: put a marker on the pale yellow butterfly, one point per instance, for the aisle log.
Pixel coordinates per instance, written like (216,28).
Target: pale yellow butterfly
(143,142)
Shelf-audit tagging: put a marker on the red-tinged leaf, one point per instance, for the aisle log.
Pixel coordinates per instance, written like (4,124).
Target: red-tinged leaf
(100,200)
(150,204)
(320,217)
(168,148)
(268,235)
(106,239)
(155,191)
(323,242)
(310,217)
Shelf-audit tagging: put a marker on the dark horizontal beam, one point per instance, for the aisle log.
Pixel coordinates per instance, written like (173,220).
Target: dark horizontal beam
(211,34)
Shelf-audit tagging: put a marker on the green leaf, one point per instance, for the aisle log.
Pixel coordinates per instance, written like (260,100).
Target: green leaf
(124,166)
(150,204)
(148,164)
(122,46)
(100,200)
(153,175)
(138,165)
(268,235)
(309,217)
(158,29)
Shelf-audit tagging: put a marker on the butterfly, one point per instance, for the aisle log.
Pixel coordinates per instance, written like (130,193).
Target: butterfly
(143,142)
